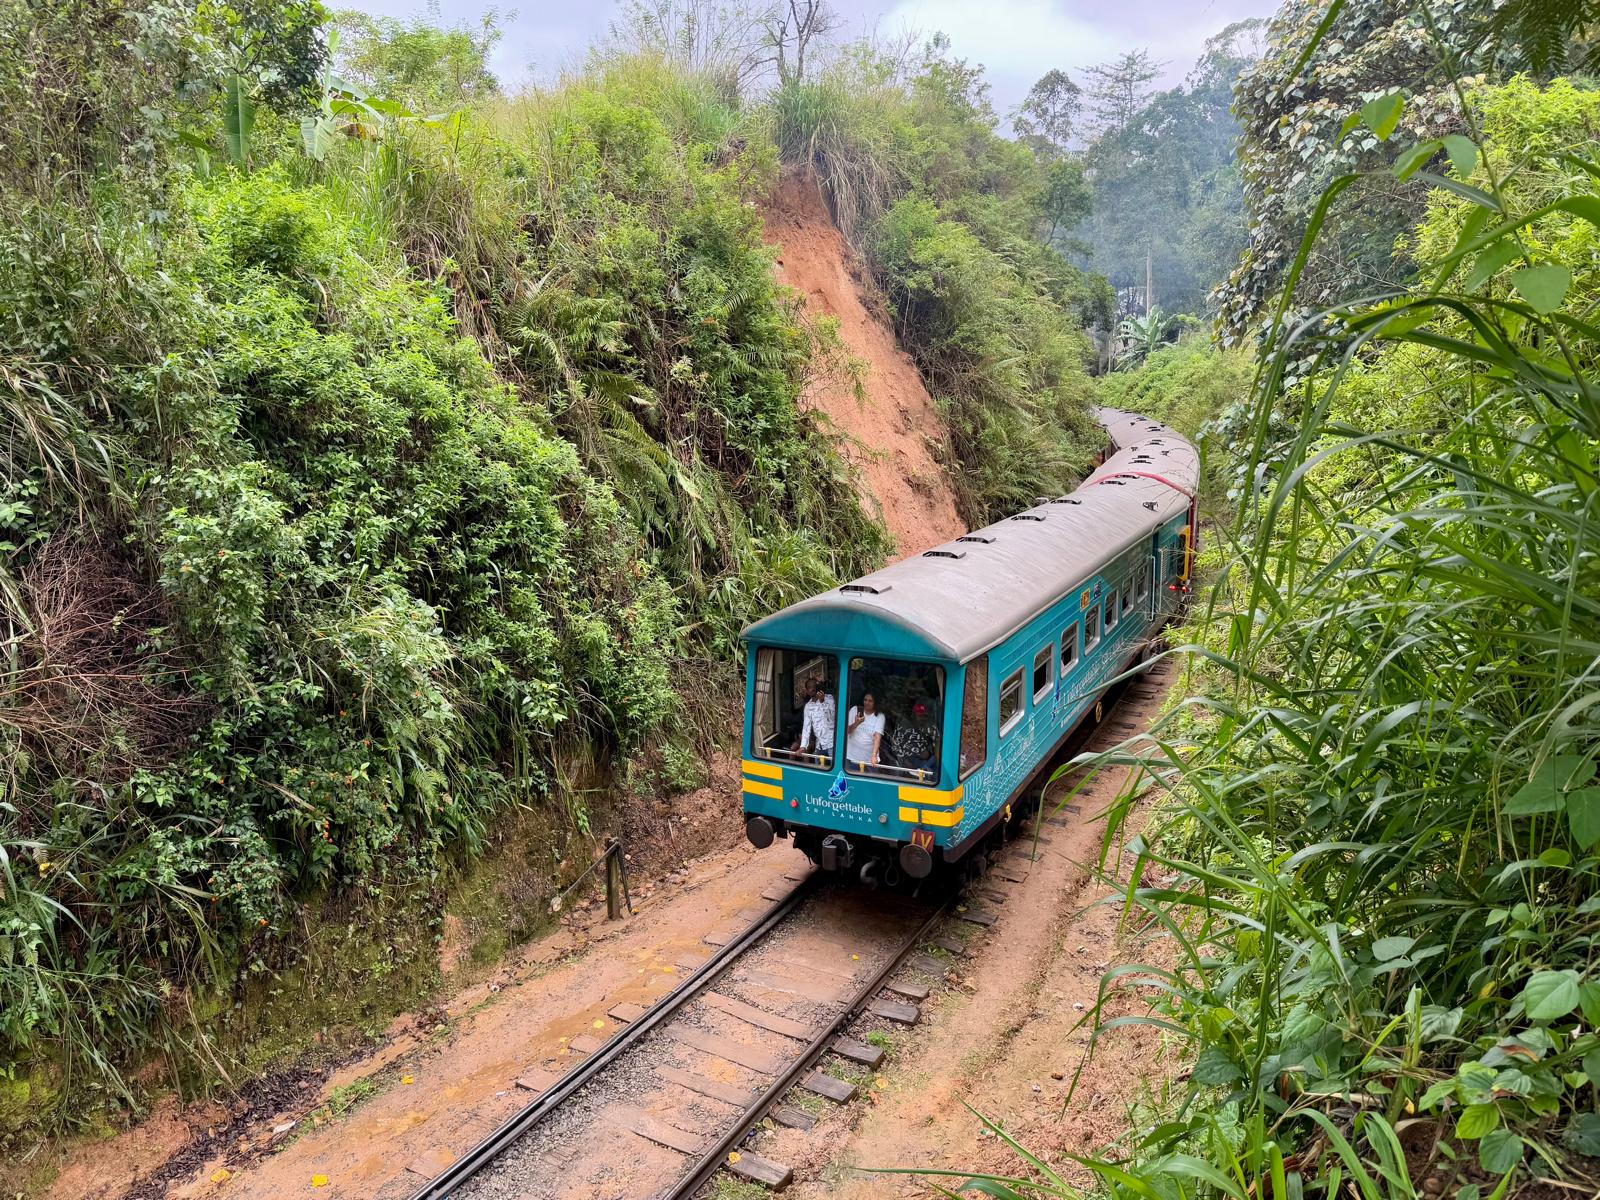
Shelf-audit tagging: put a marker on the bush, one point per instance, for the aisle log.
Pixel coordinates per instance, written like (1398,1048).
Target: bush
(344,504)
(1383,842)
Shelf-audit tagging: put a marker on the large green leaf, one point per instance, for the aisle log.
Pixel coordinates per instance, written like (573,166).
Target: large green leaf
(1463,154)
(238,120)
(1383,114)
(1477,1120)
(1583,815)
(1491,260)
(1544,286)
(1543,792)
(1499,1151)
(1583,1133)
(317,134)
(1550,995)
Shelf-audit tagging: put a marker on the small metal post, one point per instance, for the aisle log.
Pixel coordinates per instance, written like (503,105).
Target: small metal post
(613,905)
(616,882)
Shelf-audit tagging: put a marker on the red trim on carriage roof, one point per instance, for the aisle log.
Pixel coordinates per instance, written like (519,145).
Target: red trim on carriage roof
(1144,475)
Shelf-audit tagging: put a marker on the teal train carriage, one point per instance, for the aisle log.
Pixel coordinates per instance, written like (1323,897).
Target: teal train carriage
(891,723)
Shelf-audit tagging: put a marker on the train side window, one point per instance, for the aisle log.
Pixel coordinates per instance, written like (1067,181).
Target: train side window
(1011,702)
(1042,663)
(1127,597)
(1111,612)
(1091,629)
(1069,649)
(975,717)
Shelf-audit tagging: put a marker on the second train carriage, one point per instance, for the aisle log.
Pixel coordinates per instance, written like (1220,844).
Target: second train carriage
(980,655)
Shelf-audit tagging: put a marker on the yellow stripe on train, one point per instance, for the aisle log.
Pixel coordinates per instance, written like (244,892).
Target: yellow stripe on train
(765,770)
(770,790)
(932,796)
(947,818)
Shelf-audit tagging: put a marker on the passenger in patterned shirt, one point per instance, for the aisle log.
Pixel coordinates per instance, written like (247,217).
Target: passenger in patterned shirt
(915,743)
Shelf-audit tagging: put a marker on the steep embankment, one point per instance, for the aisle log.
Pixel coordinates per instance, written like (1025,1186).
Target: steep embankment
(897,433)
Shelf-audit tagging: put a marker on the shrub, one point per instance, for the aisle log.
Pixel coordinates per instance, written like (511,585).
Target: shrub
(1382,848)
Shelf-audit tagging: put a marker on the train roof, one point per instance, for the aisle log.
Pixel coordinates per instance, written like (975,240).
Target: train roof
(961,598)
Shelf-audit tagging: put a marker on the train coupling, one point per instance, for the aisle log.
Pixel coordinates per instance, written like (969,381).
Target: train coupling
(837,853)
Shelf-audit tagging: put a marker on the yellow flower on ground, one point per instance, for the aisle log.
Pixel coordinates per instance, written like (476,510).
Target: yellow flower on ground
(407,1079)
(319,1181)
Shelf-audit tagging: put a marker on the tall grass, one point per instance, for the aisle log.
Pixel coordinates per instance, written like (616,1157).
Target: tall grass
(1382,832)
(1375,861)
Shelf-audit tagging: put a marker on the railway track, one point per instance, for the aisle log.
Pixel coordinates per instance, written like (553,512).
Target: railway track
(662,1105)
(665,1103)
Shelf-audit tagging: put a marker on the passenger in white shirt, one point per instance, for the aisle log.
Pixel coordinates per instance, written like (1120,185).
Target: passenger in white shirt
(864,732)
(816,735)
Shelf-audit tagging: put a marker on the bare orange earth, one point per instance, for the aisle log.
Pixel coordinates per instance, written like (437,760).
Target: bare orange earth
(894,428)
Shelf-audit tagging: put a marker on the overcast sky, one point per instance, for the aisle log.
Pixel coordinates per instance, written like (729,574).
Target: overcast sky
(1016,40)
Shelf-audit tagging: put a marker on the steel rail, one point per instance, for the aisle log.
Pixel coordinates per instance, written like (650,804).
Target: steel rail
(713,1158)
(553,1097)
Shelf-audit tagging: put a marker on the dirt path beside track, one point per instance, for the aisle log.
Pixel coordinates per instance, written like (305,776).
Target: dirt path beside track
(1005,1037)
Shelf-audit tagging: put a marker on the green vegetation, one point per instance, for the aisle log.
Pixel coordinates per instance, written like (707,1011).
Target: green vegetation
(1384,827)
(1294,105)
(1201,391)
(1167,207)
(352,503)
(1376,849)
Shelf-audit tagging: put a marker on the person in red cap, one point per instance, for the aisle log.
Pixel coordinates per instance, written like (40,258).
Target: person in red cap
(915,743)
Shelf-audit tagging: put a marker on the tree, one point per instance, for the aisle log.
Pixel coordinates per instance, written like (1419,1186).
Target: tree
(1555,37)
(1140,336)
(1066,199)
(1048,118)
(1166,194)
(1119,89)
(724,41)
(1293,106)
(791,28)
(423,62)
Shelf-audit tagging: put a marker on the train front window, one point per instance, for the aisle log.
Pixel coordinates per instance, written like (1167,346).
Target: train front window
(894,720)
(794,712)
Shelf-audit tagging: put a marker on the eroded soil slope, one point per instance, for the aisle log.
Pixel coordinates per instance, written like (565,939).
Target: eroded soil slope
(896,430)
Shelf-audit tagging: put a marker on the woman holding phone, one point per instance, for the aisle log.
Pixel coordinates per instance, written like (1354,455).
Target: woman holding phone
(864,732)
